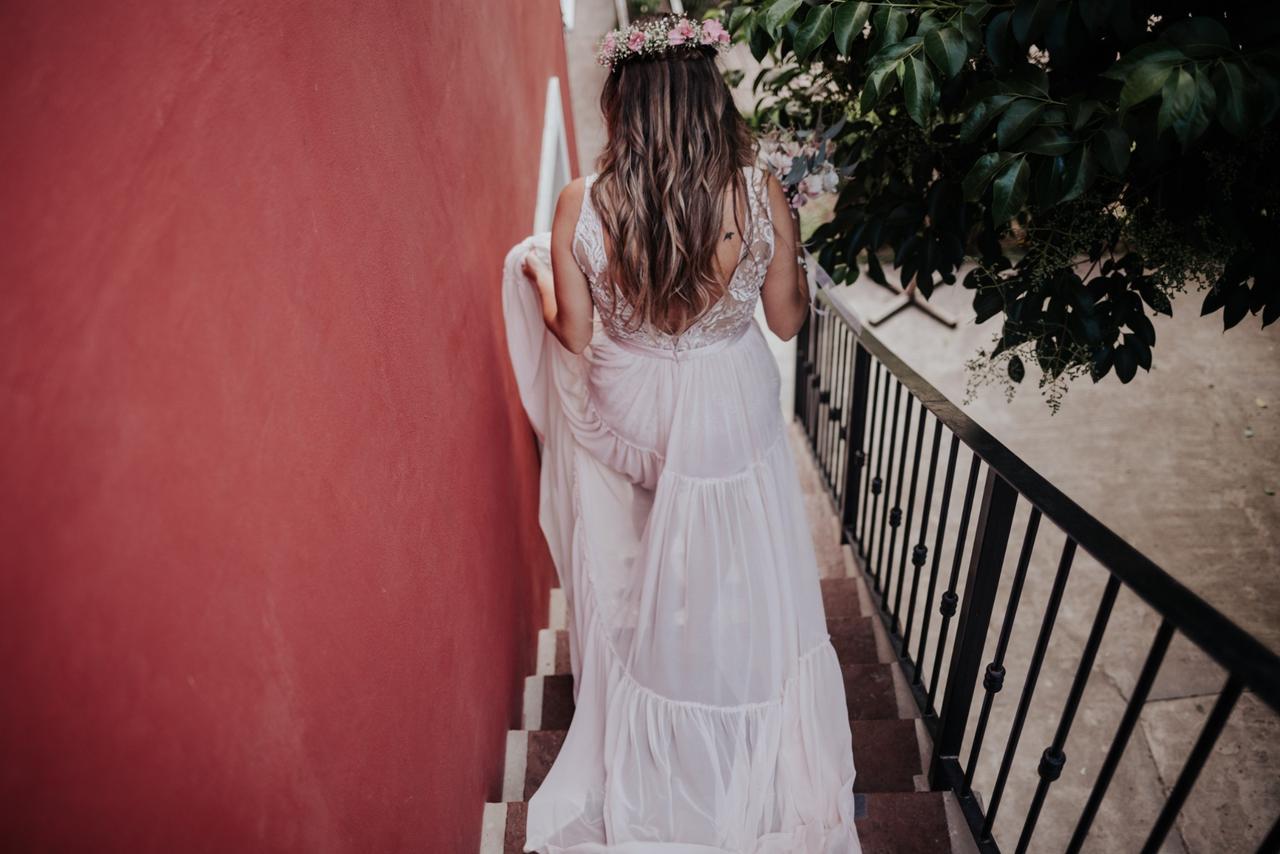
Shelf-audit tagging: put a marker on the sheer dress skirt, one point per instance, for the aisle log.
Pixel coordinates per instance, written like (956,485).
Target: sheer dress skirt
(710,709)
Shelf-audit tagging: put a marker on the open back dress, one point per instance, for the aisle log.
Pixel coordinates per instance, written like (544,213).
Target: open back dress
(710,711)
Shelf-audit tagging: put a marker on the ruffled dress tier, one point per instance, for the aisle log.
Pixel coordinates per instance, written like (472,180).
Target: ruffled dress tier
(710,710)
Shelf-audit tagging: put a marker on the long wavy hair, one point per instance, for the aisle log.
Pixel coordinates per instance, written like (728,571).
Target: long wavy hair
(676,142)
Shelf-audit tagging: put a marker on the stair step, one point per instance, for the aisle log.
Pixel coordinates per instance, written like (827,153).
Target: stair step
(548,701)
(854,639)
(840,597)
(888,823)
(553,651)
(886,752)
(903,823)
(870,692)
(886,755)
(544,746)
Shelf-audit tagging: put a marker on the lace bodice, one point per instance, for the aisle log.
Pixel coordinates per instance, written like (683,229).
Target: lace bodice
(724,319)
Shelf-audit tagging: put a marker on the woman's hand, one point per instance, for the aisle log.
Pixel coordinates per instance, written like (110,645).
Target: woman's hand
(534,268)
(539,275)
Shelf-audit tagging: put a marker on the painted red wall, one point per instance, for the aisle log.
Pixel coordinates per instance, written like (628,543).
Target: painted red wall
(269,563)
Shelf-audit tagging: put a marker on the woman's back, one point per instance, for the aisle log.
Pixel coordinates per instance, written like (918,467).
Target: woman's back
(742,259)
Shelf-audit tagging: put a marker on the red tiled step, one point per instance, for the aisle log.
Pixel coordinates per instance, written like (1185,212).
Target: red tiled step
(553,701)
(886,755)
(903,823)
(869,691)
(888,823)
(840,597)
(854,639)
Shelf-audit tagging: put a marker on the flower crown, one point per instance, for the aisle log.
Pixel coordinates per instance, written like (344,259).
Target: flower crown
(659,36)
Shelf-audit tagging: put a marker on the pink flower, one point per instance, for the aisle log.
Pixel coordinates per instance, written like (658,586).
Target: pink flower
(635,41)
(610,42)
(713,31)
(680,33)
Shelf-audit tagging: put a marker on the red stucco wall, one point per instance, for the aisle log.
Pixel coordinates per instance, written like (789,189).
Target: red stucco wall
(269,563)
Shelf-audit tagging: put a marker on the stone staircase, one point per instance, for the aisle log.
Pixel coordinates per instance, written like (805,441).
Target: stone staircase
(896,814)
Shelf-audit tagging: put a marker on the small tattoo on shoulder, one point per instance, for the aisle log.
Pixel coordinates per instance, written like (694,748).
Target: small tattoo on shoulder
(728,235)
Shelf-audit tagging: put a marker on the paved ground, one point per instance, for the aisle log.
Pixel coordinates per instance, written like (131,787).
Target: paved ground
(1183,463)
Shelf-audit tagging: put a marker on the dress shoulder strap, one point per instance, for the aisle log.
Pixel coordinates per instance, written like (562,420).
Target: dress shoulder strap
(589,235)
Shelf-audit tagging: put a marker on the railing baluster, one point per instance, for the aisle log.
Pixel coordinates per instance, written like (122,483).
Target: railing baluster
(815,379)
(911,506)
(947,607)
(1128,721)
(868,493)
(840,415)
(927,608)
(1195,762)
(884,516)
(1029,686)
(802,370)
(823,390)
(895,512)
(991,538)
(855,435)
(993,679)
(920,553)
(834,413)
(1053,759)
(877,482)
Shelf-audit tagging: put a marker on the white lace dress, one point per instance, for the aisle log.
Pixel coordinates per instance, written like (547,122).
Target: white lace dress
(710,712)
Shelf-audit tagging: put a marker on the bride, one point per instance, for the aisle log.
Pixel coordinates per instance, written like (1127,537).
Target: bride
(710,712)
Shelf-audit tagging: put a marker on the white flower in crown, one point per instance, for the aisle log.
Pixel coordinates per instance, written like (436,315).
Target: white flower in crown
(658,36)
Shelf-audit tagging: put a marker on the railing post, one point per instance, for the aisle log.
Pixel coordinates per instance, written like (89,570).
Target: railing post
(854,455)
(802,371)
(991,538)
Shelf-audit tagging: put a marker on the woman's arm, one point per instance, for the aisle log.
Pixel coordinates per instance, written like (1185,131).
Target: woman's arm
(566,296)
(785,293)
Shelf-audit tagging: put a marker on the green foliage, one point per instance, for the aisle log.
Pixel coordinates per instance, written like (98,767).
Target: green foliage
(1091,157)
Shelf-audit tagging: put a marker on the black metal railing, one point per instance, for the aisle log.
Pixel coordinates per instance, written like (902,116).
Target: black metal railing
(875,427)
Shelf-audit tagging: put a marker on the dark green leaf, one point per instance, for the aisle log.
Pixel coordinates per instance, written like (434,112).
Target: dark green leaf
(738,18)
(1155,54)
(1237,305)
(1080,173)
(980,175)
(1126,363)
(1030,18)
(1009,192)
(1079,112)
(1094,13)
(1199,37)
(1017,120)
(1186,103)
(1142,327)
(917,87)
(947,50)
(1112,148)
(816,28)
(778,14)
(1233,94)
(1142,82)
(759,42)
(1001,46)
(878,84)
(849,21)
(1047,141)
(1101,363)
(987,303)
(1017,370)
